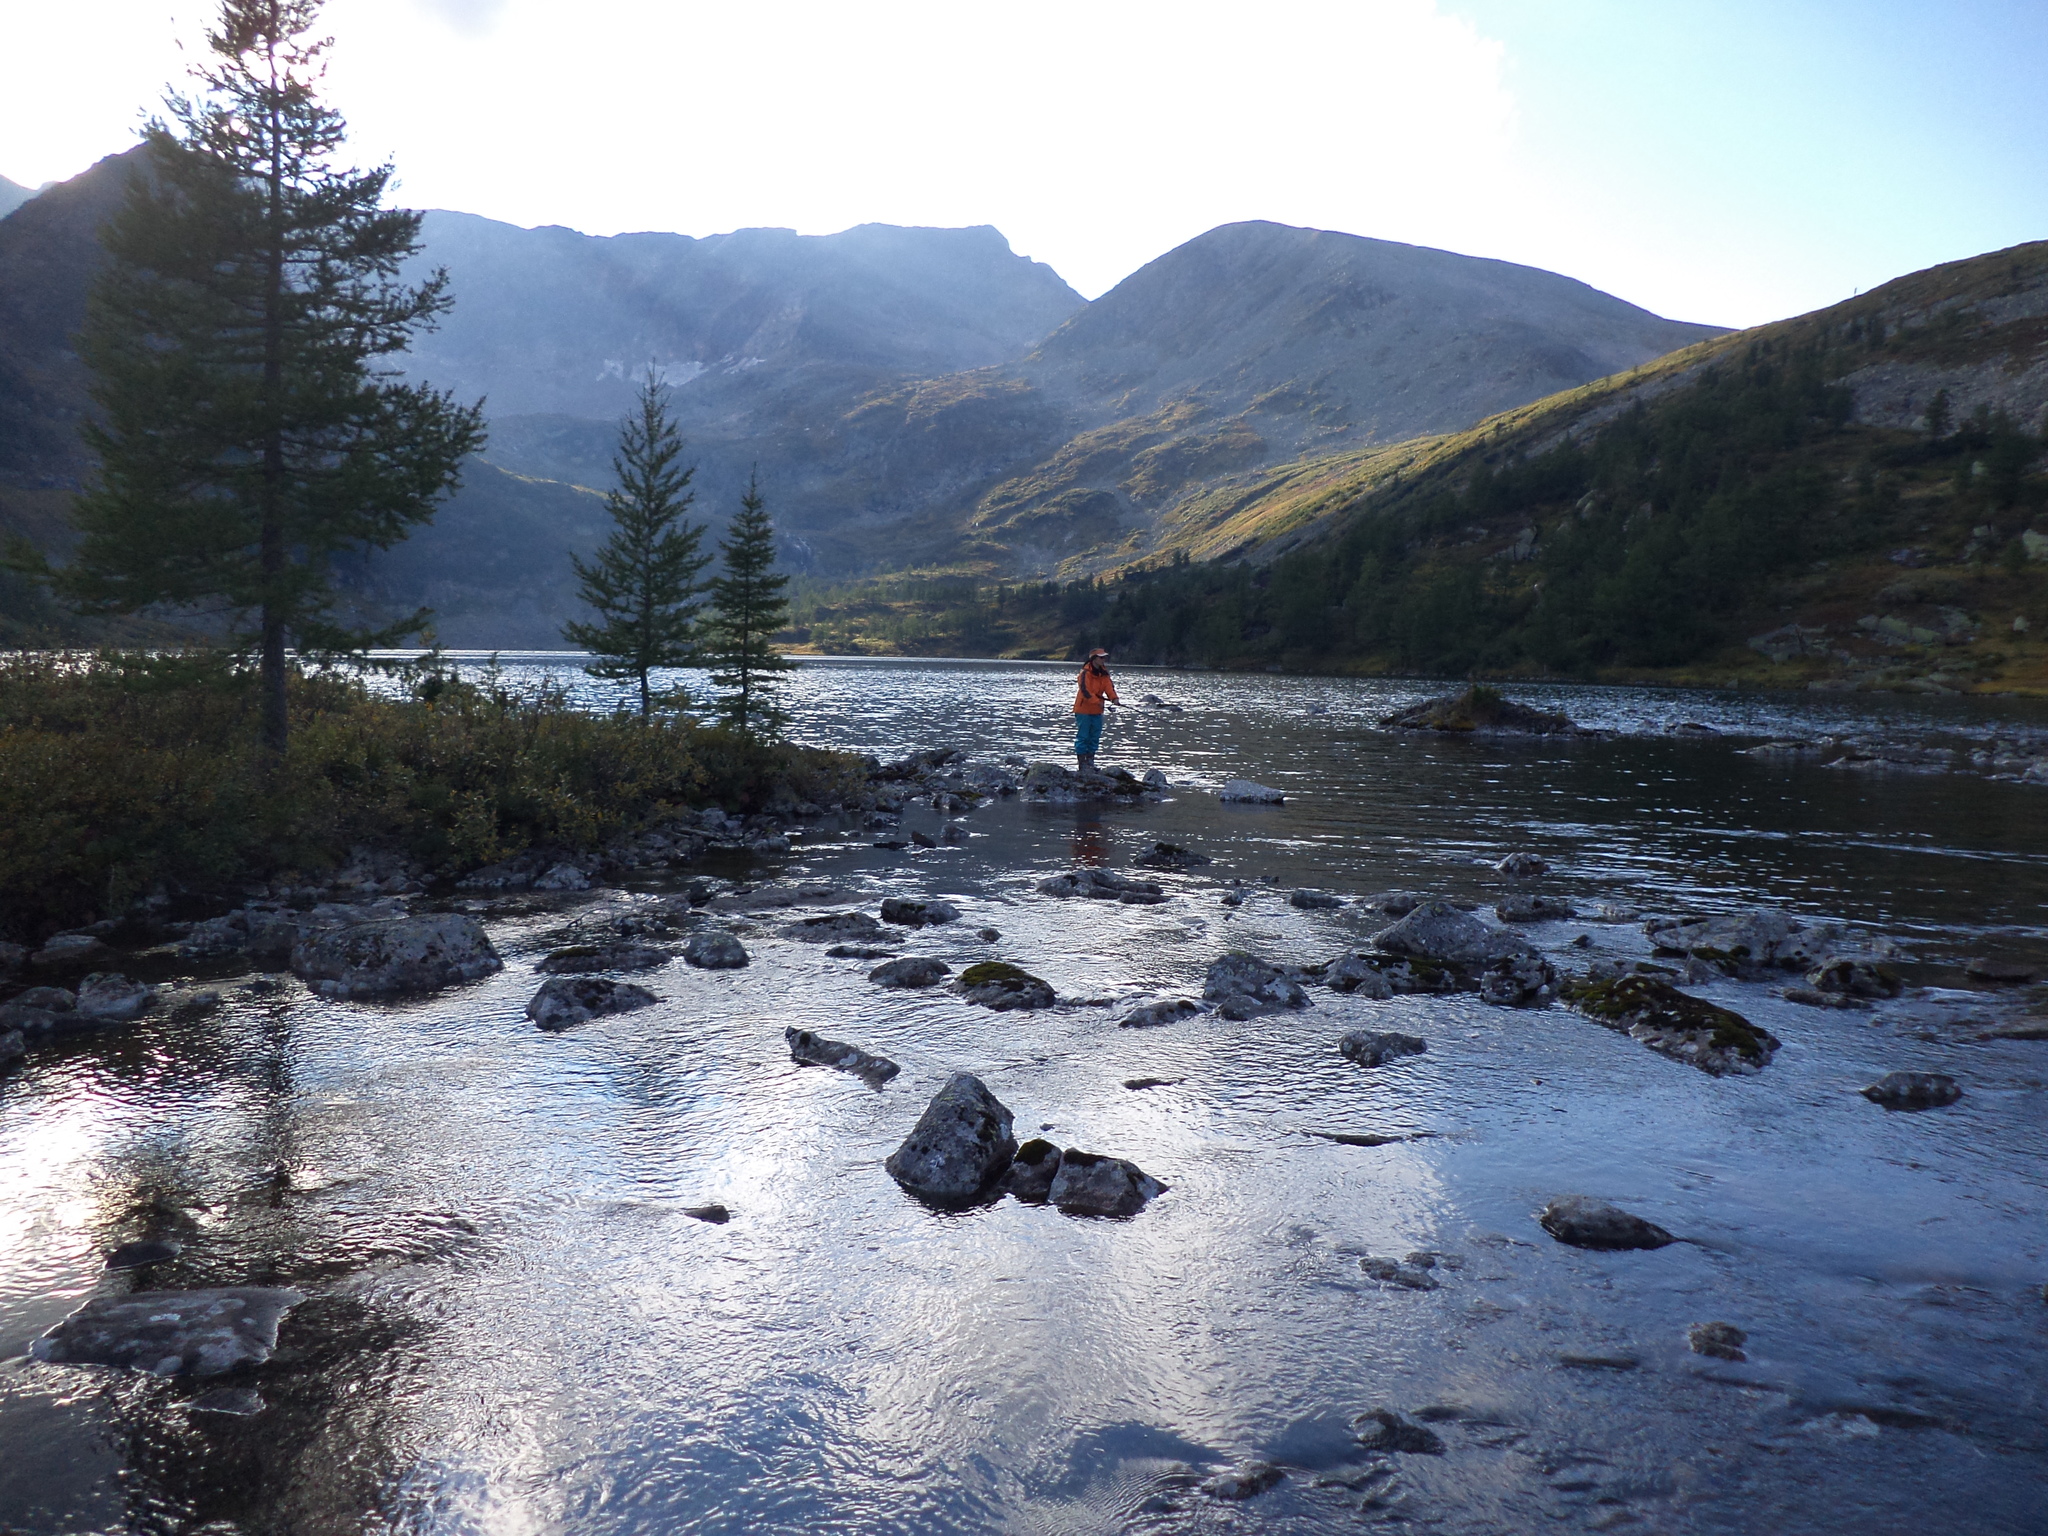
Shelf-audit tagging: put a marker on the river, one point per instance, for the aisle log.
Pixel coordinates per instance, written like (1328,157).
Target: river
(512,1325)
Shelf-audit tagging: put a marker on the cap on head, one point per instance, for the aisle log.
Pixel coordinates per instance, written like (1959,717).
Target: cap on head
(1098,651)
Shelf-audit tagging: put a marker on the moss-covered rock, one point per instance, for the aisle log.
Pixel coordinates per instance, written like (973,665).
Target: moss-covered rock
(1674,1023)
(1002,986)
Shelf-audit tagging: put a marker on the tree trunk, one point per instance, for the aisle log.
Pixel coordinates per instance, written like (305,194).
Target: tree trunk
(646,700)
(273,554)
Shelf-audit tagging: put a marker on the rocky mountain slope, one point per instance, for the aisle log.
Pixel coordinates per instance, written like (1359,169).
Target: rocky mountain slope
(1852,498)
(12,195)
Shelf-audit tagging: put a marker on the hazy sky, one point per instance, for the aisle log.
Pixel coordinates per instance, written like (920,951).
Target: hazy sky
(1732,162)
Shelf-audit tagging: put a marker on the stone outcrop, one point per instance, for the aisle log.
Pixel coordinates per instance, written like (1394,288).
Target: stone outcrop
(1170,1010)
(1913,1090)
(1243,986)
(1103,885)
(1370,1048)
(837,928)
(1479,709)
(713,949)
(577,959)
(912,971)
(918,914)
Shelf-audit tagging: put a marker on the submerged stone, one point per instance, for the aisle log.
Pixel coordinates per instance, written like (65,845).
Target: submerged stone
(1244,1481)
(1382,1429)
(960,1146)
(918,914)
(835,927)
(1169,1010)
(169,1333)
(1410,1277)
(814,1050)
(911,971)
(1723,1341)
(1913,1090)
(1370,1048)
(148,1251)
(1533,909)
(580,958)
(1171,856)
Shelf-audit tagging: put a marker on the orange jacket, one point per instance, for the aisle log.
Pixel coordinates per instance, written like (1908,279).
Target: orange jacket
(1091,688)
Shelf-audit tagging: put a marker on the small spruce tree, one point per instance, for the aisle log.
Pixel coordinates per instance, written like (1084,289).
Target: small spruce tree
(1940,414)
(644,582)
(747,608)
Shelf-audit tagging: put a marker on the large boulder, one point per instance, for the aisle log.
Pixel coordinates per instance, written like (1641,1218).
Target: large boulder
(1242,986)
(1584,1222)
(911,971)
(1089,1184)
(171,1333)
(814,1050)
(399,954)
(1103,885)
(906,913)
(1004,987)
(1673,1023)
(960,1146)
(563,1001)
(1758,941)
(713,949)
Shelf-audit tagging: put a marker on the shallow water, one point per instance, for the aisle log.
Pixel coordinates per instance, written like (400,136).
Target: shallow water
(513,1326)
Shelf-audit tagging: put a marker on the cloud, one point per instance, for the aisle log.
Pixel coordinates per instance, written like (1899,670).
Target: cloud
(473,18)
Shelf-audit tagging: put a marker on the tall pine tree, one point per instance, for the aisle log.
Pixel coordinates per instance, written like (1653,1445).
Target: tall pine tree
(247,433)
(747,608)
(644,583)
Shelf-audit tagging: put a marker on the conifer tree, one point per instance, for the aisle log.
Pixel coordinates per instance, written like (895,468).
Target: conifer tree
(247,434)
(747,608)
(644,583)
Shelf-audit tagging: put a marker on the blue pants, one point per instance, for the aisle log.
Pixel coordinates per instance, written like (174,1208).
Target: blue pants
(1087,734)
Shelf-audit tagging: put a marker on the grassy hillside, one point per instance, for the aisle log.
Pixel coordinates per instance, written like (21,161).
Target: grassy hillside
(1854,498)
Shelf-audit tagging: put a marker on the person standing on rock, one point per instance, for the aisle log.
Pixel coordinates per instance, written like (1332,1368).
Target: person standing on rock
(1091,689)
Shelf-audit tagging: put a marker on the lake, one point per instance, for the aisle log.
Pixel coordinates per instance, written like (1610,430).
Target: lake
(512,1324)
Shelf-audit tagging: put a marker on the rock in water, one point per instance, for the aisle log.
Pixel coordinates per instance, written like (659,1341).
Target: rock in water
(1103,885)
(237,1402)
(1243,1481)
(811,1050)
(1913,1090)
(138,1255)
(1169,1010)
(918,914)
(1410,1277)
(1478,708)
(1746,943)
(580,958)
(1032,1171)
(715,950)
(1587,1223)
(1382,1429)
(1245,792)
(1523,866)
(110,997)
(910,971)
(1171,856)
(836,927)
(563,1001)
(999,985)
(716,1214)
(1675,1024)
(1370,1049)
(1314,901)
(1533,909)
(1089,1184)
(1723,1341)
(71,951)
(196,1333)
(13,1046)
(1852,977)
(1242,986)
(961,1144)
(400,954)
(1436,930)
(1358,976)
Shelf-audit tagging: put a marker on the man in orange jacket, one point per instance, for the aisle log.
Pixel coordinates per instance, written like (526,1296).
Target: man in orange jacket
(1091,688)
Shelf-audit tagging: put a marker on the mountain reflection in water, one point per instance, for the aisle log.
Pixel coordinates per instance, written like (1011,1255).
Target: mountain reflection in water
(514,1326)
